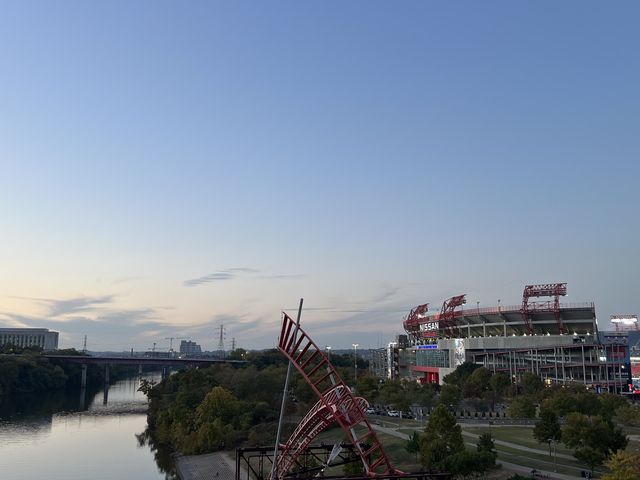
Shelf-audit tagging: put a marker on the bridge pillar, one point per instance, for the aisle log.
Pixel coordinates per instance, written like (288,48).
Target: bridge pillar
(83,376)
(165,372)
(106,374)
(140,369)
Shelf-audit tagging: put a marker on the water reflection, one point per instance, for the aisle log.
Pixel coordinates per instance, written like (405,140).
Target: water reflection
(87,434)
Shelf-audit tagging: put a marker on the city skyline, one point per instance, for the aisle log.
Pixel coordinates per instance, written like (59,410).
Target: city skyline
(168,168)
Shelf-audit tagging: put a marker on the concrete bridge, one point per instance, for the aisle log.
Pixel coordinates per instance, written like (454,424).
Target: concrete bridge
(164,362)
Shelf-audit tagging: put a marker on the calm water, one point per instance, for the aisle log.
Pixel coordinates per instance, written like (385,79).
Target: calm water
(98,443)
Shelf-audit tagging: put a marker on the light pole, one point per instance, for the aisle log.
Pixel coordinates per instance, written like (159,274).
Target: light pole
(355,362)
(328,349)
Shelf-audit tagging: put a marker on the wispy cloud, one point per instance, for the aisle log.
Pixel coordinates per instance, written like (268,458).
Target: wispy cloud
(212,277)
(281,276)
(75,305)
(233,273)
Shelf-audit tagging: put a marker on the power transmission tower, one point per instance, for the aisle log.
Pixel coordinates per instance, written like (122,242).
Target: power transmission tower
(221,340)
(233,343)
(84,345)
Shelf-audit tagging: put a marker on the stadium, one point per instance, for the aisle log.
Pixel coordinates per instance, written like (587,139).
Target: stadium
(560,342)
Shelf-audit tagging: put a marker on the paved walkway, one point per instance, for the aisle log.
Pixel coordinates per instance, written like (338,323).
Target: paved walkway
(211,466)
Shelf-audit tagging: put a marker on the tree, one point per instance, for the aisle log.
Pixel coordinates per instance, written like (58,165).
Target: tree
(477,383)
(466,464)
(623,466)
(450,396)
(486,444)
(629,415)
(460,375)
(442,438)
(610,404)
(548,429)
(521,407)
(532,384)
(413,444)
(593,438)
(367,387)
(500,383)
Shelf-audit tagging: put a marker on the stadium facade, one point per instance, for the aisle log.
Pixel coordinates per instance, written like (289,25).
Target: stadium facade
(557,341)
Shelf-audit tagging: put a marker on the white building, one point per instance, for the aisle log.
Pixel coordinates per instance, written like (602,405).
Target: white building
(29,337)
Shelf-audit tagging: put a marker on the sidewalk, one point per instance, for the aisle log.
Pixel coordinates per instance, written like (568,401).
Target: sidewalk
(210,466)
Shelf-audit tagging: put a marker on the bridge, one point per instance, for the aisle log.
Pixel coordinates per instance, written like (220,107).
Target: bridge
(164,362)
(157,361)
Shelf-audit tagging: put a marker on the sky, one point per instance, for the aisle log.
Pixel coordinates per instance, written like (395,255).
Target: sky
(168,168)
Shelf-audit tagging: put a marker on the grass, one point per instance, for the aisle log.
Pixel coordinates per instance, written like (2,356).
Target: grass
(518,435)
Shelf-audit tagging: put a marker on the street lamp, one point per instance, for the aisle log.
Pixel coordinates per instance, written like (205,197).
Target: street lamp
(355,361)
(328,349)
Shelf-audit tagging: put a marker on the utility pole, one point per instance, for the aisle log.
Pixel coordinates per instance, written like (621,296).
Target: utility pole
(233,343)
(84,345)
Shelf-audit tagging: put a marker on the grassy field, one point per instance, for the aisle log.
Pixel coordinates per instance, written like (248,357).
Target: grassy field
(519,435)
(522,436)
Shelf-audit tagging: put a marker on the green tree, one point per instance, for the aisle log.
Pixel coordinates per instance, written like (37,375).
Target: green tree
(521,407)
(548,429)
(623,466)
(592,437)
(532,384)
(486,444)
(610,404)
(477,383)
(413,444)
(627,414)
(500,383)
(442,438)
(367,387)
(460,375)
(450,396)
(467,464)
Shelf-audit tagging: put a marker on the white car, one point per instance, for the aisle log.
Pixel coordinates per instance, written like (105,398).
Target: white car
(393,413)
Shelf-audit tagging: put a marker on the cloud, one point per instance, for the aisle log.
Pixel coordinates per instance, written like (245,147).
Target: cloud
(74,305)
(212,277)
(233,273)
(280,276)
(121,280)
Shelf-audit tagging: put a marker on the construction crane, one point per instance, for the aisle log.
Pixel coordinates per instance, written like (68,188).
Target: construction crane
(171,339)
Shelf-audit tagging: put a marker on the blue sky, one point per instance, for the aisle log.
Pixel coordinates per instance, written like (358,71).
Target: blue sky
(167,167)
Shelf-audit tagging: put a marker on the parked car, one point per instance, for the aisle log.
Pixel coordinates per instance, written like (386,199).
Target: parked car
(393,413)
(370,411)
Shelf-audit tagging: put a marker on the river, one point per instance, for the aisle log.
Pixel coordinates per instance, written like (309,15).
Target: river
(91,438)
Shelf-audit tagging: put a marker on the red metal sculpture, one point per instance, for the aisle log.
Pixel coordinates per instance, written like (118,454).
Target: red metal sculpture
(336,405)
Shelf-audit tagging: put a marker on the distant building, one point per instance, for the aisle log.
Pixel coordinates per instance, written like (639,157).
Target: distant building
(187,347)
(29,337)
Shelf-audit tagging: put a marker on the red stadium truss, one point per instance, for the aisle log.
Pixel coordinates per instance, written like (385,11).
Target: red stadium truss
(413,321)
(336,405)
(554,290)
(448,323)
